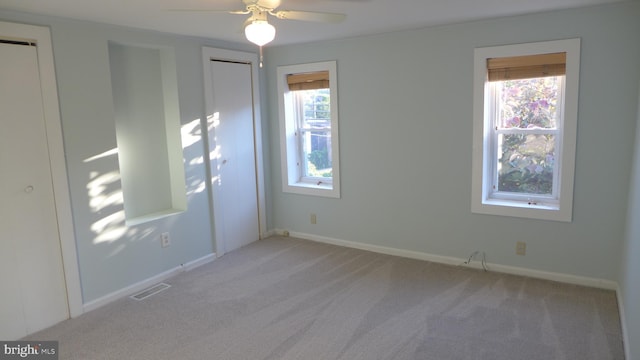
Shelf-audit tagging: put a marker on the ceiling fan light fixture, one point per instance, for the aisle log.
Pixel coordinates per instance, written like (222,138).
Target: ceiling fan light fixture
(260,32)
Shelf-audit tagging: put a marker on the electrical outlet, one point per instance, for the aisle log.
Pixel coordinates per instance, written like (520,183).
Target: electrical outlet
(165,240)
(521,248)
(313,218)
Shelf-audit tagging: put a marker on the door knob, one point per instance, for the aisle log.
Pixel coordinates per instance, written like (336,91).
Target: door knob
(28,189)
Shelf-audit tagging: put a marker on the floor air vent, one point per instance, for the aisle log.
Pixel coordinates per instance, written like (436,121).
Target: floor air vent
(150,291)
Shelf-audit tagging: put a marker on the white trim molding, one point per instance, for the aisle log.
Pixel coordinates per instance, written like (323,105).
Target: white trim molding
(623,323)
(483,200)
(290,154)
(209,54)
(449,260)
(42,37)
(141,285)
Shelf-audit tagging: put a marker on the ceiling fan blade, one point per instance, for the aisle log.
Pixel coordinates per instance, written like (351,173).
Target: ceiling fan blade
(309,16)
(235,12)
(267,4)
(293,3)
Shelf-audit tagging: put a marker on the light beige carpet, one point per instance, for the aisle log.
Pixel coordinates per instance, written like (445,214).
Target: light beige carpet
(284,298)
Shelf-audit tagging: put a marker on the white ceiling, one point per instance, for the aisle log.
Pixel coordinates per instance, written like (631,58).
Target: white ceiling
(363,16)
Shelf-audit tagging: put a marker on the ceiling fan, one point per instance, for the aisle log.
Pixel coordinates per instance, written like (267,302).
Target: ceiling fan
(257,28)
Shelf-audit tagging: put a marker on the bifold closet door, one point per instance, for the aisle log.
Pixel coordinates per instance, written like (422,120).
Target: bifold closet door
(235,193)
(31,271)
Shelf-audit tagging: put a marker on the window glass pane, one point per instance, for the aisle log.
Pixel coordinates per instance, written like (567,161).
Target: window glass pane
(528,103)
(315,129)
(317,154)
(526,163)
(316,108)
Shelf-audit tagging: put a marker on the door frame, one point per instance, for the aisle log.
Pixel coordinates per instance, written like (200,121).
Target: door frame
(209,54)
(42,37)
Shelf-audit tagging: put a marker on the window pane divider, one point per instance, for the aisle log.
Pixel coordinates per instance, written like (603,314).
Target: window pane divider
(518,131)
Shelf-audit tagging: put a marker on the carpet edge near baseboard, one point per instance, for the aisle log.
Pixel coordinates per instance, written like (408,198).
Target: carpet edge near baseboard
(143,284)
(449,260)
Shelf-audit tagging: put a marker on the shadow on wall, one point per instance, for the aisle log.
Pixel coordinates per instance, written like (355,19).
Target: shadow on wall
(106,200)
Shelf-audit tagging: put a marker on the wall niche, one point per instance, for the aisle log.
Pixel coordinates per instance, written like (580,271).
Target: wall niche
(147,119)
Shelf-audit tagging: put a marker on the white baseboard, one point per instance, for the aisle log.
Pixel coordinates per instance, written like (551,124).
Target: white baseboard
(141,285)
(269,234)
(546,275)
(199,262)
(623,323)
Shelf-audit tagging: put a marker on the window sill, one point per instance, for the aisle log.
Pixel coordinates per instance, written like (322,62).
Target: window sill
(151,217)
(303,188)
(521,209)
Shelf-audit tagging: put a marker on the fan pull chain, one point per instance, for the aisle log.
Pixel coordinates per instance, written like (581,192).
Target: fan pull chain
(261,57)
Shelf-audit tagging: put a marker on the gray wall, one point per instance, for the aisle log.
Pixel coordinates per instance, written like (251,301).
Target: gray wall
(406,136)
(405,127)
(629,284)
(111,255)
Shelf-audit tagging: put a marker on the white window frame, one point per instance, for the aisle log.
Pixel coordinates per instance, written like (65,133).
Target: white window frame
(293,180)
(306,133)
(559,206)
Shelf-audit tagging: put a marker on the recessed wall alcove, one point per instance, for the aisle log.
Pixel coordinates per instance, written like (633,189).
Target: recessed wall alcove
(147,119)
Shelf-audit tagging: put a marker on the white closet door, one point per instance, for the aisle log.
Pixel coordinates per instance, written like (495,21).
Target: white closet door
(31,273)
(235,180)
